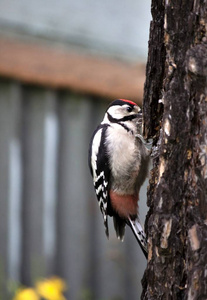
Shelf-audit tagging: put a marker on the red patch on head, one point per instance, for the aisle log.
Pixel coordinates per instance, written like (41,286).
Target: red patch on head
(128,101)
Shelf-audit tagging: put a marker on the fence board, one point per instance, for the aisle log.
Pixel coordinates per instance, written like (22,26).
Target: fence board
(33,143)
(15,183)
(6,122)
(50,182)
(72,237)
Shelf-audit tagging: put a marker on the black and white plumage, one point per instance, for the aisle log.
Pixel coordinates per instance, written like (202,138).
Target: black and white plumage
(118,160)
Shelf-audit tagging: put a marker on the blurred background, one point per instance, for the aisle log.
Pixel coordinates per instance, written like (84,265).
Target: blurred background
(61,62)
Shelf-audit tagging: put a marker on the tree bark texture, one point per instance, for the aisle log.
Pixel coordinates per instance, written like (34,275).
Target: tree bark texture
(175,116)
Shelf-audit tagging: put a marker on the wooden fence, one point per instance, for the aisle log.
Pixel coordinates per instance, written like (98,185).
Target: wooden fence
(49,219)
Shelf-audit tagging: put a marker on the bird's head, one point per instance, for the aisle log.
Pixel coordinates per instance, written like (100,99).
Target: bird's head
(123,110)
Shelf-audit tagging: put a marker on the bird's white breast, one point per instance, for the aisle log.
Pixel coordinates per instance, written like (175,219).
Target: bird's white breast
(123,152)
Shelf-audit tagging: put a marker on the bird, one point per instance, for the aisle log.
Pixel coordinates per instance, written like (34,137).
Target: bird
(119,163)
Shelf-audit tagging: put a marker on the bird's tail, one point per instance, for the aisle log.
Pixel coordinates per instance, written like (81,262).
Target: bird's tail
(139,234)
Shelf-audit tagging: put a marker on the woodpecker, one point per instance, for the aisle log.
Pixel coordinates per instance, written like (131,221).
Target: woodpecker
(119,161)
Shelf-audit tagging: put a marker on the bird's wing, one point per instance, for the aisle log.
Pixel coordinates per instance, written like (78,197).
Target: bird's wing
(99,165)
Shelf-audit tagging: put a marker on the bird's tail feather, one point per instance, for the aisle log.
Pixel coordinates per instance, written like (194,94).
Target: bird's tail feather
(119,226)
(139,234)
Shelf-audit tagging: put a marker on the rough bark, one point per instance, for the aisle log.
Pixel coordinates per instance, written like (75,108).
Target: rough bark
(175,116)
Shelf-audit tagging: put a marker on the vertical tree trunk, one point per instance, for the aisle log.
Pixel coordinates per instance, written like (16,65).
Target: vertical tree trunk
(175,115)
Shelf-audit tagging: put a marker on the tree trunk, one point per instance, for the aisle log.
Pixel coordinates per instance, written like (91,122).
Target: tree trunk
(175,116)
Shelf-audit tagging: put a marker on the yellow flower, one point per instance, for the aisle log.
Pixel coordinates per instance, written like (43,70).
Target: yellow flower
(51,289)
(26,294)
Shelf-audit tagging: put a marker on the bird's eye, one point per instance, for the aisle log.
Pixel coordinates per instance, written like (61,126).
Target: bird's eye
(129,108)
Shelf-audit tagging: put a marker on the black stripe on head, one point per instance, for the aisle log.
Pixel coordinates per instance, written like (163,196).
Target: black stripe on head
(126,118)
